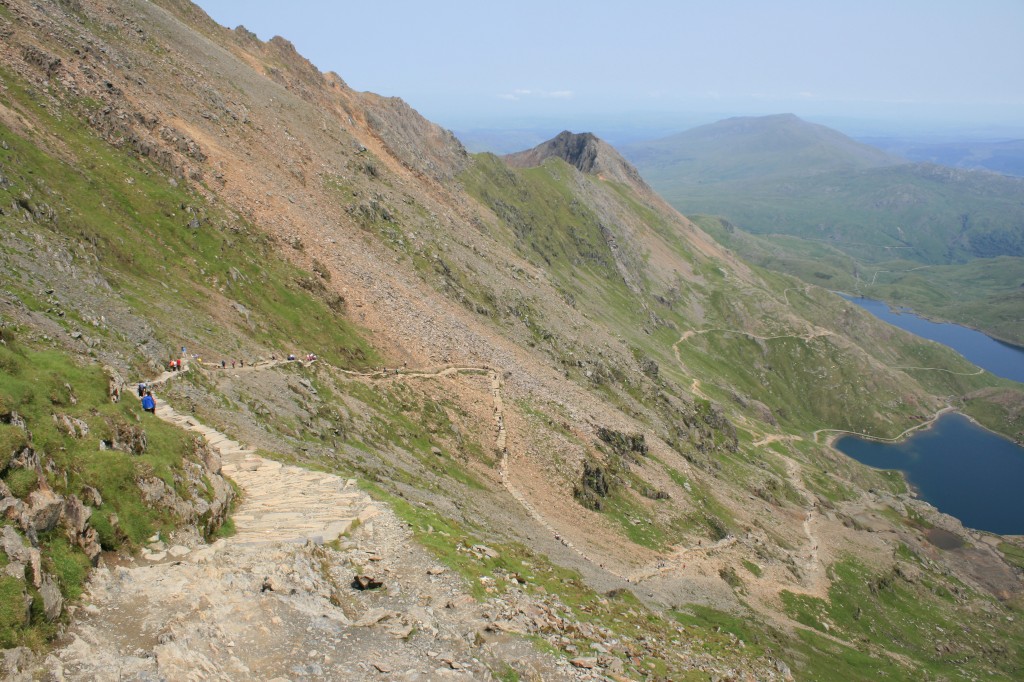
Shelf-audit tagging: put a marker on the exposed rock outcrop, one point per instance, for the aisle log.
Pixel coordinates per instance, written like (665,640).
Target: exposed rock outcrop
(586,152)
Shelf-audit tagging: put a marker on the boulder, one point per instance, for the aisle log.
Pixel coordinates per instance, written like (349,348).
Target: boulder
(11,543)
(71,426)
(587,663)
(90,544)
(210,456)
(25,458)
(53,601)
(908,572)
(366,582)
(91,496)
(76,516)
(126,437)
(15,569)
(11,508)
(43,511)
(485,551)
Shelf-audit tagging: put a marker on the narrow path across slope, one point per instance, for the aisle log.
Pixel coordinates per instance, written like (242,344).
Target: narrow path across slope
(894,439)
(501,444)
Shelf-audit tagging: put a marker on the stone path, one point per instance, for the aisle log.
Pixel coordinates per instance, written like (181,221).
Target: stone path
(280,502)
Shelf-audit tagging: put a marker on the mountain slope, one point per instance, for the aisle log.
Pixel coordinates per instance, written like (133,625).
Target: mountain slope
(579,377)
(781,176)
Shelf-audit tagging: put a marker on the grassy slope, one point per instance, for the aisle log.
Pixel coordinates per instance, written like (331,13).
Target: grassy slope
(36,385)
(983,293)
(926,214)
(834,207)
(84,224)
(801,380)
(121,219)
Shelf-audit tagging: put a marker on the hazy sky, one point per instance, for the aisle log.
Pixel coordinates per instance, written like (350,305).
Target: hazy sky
(471,62)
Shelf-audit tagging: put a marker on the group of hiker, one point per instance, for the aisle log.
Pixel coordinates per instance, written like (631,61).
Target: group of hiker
(148,401)
(310,357)
(178,365)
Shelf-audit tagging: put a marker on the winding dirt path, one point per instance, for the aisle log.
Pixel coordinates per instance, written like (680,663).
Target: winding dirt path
(815,568)
(948,371)
(675,562)
(775,438)
(501,443)
(883,439)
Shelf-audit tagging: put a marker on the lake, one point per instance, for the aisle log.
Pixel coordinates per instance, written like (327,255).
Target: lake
(960,468)
(1002,359)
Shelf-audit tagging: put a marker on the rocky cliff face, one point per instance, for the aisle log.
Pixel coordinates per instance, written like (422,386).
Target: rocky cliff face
(585,152)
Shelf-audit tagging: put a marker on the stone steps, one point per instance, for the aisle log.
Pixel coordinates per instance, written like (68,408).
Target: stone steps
(280,503)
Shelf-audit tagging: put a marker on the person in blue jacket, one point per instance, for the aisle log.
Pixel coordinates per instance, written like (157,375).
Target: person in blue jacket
(148,403)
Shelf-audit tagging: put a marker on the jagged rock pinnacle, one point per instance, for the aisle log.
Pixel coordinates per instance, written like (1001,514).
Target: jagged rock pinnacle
(586,152)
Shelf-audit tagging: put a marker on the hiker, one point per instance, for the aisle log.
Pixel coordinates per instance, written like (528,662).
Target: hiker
(142,388)
(149,403)
(232,364)
(223,364)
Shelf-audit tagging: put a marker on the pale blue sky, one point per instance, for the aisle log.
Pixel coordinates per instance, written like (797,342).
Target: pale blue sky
(465,62)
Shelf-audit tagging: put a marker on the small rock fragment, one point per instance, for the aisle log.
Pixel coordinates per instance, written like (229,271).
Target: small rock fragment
(587,663)
(365,582)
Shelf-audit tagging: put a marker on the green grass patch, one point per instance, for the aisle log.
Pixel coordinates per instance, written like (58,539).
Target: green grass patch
(39,385)
(1013,554)
(754,569)
(13,614)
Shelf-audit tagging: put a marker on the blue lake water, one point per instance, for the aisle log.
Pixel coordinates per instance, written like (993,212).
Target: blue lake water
(964,470)
(997,357)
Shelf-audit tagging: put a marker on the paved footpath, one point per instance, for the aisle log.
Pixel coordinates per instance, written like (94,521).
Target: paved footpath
(280,502)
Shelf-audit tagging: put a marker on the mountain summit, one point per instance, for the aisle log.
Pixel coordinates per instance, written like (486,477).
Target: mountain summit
(585,151)
(754,146)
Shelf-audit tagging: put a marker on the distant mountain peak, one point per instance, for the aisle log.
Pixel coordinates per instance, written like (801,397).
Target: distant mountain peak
(753,147)
(586,152)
